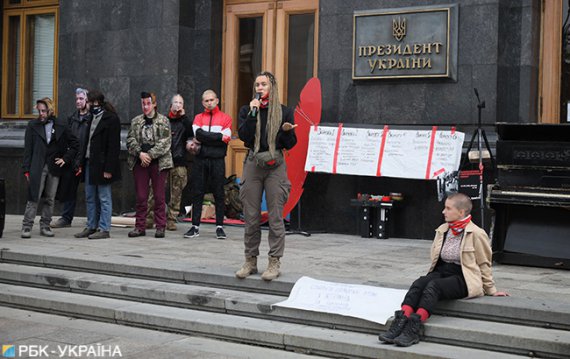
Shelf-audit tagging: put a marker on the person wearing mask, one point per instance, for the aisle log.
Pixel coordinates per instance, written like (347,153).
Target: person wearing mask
(78,124)
(181,129)
(267,128)
(48,147)
(101,165)
(213,129)
(460,268)
(149,143)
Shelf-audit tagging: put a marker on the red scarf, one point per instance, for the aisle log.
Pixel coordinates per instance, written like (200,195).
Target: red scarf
(264,101)
(458,226)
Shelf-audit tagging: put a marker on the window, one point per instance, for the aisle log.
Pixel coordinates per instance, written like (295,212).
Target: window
(29,64)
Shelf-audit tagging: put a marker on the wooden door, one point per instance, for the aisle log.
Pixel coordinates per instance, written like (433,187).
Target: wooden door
(276,36)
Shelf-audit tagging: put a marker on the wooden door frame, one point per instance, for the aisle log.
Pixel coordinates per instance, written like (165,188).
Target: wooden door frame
(550,66)
(284,9)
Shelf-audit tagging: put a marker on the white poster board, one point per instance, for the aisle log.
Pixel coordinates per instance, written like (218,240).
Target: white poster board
(375,304)
(419,154)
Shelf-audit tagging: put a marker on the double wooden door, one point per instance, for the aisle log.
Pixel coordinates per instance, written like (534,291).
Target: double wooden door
(276,36)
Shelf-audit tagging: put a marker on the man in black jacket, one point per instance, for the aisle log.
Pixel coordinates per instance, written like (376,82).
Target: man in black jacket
(78,124)
(48,146)
(213,129)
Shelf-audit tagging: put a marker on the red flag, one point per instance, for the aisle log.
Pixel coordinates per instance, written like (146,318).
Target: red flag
(307,115)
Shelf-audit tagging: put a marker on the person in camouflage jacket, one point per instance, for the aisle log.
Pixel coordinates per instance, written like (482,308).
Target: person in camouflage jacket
(148,143)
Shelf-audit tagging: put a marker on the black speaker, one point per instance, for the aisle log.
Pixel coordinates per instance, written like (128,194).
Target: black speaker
(2,205)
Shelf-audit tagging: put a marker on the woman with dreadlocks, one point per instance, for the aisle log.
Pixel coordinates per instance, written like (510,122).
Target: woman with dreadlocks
(267,128)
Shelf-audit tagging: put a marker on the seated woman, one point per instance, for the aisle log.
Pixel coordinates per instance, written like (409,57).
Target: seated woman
(460,268)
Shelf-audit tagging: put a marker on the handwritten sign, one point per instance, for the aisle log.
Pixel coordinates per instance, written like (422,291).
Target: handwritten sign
(419,154)
(358,151)
(375,304)
(323,138)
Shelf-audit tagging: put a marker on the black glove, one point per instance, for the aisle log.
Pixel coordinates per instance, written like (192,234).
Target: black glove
(146,147)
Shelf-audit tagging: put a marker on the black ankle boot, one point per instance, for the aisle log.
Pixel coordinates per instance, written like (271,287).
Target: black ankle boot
(411,332)
(398,323)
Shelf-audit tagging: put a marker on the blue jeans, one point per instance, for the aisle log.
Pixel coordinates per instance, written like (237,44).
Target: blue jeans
(99,204)
(68,210)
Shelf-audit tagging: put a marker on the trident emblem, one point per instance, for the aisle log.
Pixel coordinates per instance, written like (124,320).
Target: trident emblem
(399,28)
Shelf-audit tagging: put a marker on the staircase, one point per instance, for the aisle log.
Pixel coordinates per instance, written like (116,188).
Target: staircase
(211,302)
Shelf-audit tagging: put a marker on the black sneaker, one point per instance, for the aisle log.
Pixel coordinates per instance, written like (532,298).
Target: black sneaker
(99,235)
(85,233)
(192,232)
(26,233)
(137,233)
(60,223)
(220,234)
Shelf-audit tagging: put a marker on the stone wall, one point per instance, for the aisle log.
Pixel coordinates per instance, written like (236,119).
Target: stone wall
(498,55)
(124,47)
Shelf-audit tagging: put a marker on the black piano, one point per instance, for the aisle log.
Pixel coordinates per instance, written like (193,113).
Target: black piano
(532,196)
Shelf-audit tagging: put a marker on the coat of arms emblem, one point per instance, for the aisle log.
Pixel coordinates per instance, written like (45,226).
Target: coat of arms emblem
(399,28)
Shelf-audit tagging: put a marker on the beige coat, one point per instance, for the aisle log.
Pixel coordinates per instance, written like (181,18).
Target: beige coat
(476,259)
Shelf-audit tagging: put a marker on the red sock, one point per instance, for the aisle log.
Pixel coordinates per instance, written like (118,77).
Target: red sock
(423,314)
(407,310)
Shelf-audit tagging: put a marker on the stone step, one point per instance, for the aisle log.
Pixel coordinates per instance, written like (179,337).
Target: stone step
(454,331)
(515,310)
(286,336)
(177,295)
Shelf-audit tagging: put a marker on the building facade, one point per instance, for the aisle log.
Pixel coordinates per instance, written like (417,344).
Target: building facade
(511,51)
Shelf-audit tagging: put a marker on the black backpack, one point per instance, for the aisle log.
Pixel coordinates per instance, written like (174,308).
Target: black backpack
(234,207)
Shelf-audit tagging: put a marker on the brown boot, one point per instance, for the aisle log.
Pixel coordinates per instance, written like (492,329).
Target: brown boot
(248,268)
(170,225)
(272,270)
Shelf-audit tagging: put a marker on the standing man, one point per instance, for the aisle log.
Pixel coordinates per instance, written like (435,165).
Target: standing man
(101,165)
(148,142)
(181,129)
(48,147)
(78,124)
(213,129)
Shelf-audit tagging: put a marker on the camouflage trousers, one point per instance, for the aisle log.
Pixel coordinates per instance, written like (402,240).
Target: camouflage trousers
(176,182)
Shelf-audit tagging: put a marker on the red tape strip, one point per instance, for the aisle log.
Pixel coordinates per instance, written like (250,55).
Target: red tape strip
(381,154)
(336,145)
(430,155)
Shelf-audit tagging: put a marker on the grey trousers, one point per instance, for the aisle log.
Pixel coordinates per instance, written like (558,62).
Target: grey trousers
(277,187)
(48,189)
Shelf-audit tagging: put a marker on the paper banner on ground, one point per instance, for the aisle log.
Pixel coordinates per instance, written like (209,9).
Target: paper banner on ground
(375,304)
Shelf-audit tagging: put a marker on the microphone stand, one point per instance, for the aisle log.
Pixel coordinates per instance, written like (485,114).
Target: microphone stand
(298,230)
(480,134)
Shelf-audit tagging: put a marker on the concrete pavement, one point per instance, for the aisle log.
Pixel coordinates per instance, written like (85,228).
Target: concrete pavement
(23,327)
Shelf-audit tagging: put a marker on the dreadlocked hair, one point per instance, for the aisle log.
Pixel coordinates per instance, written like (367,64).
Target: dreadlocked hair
(274,115)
